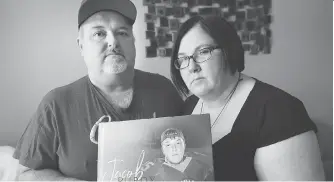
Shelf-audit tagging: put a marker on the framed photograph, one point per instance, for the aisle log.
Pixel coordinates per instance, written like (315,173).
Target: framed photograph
(144,150)
(178,12)
(239,4)
(206,11)
(175,2)
(150,26)
(254,49)
(174,24)
(169,37)
(169,52)
(240,15)
(153,43)
(164,22)
(150,34)
(150,18)
(160,11)
(161,31)
(151,52)
(161,52)
(161,40)
(204,2)
(148,2)
(246,47)
(151,9)
(244,36)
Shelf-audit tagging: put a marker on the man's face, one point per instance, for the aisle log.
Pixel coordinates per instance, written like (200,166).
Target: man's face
(173,149)
(107,44)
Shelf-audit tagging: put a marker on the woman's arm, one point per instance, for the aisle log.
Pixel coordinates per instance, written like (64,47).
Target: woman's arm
(296,158)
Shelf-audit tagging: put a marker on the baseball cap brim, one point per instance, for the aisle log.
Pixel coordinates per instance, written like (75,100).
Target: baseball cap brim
(90,7)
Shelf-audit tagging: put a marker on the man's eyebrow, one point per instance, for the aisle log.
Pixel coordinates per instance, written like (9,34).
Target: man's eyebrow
(123,28)
(97,26)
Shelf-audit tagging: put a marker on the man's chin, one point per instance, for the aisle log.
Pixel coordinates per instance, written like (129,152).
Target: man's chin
(115,69)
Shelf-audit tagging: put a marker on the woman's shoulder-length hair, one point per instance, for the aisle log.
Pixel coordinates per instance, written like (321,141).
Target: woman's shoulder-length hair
(223,33)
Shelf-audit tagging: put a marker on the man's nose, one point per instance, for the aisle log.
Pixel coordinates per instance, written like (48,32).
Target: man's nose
(112,41)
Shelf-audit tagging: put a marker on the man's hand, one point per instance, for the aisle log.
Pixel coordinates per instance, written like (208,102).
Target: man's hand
(27,174)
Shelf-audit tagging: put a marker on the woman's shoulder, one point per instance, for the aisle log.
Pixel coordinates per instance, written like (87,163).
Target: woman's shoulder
(268,93)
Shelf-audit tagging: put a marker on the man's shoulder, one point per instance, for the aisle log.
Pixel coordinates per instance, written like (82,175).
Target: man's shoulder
(151,79)
(65,92)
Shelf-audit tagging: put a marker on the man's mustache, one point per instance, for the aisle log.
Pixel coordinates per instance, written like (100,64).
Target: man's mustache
(114,52)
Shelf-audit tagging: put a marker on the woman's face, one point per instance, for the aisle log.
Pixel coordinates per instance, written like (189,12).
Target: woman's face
(206,77)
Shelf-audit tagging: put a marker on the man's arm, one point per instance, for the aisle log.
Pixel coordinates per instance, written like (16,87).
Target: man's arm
(27,174)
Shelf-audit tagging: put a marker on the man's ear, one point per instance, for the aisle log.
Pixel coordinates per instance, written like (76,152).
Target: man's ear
(79,42)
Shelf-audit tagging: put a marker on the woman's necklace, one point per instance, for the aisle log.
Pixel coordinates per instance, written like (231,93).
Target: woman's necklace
(228,98)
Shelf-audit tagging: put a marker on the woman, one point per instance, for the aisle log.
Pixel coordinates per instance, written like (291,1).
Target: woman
(259,132)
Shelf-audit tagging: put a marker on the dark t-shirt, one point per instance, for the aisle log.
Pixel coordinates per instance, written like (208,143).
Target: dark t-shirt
(57,136)
(268,116)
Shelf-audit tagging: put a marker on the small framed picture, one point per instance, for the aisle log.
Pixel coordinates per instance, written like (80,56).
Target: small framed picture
(161,41)
(250,25)
(191,3)
(244,36)
(147,2)
(151,9)
(174,24)
(240,4)
(161,31)
(169,52)
(240,15)
(169,37)
(254,50)
(178,12)
(150,34)
(160,11)
(246,47)
(164,22)
(150,26)
(154,43)
(161,52)
(205,11)
(166,2)
(149,18)
(254,36)
(205,2)
(175,2)
(151,52)
(191,14)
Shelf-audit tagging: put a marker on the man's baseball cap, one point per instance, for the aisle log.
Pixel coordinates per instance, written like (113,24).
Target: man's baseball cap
(89,7)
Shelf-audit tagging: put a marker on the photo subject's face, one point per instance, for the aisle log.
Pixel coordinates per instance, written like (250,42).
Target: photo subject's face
(200,78)
(107,44)
(173,149)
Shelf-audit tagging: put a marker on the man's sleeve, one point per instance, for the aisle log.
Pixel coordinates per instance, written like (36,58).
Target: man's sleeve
(38,145)
(176,102)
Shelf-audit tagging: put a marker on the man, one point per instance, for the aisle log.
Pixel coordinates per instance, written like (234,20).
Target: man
(177,166)
(56,143)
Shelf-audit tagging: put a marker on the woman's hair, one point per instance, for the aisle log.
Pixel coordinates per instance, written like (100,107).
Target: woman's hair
(222,33)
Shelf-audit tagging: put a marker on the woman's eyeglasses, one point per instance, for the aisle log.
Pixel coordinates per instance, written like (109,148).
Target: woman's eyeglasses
(199,56)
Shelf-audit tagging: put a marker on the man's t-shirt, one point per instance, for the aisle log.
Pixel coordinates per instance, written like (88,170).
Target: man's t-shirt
(57,136)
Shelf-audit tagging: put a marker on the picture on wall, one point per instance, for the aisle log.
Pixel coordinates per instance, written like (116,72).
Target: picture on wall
(250,18)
